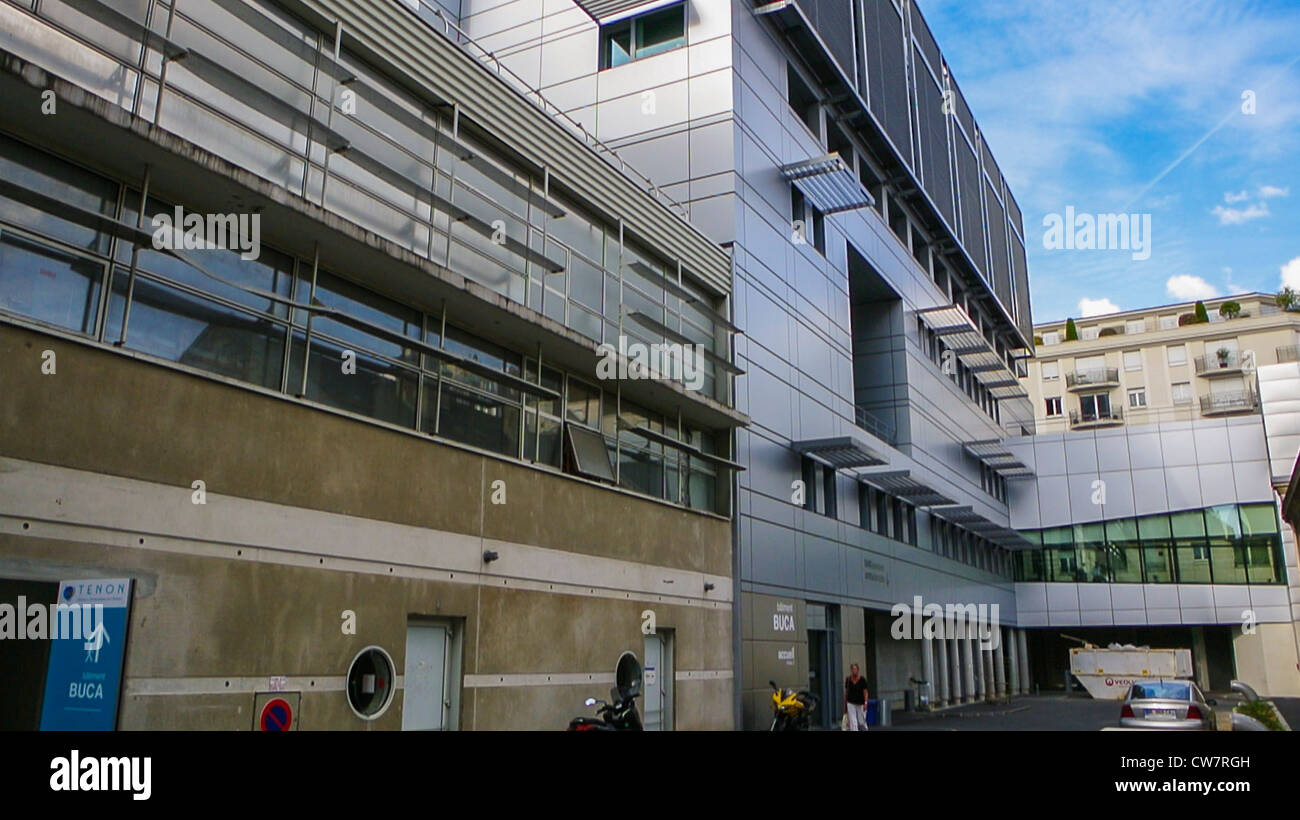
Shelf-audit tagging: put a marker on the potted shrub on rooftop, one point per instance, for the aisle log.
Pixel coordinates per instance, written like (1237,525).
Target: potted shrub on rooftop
(1287,298)
(1230,309)
(1071,332)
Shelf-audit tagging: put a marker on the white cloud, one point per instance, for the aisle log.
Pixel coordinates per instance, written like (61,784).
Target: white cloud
(1097,307)
(1185,287)
(1239,197)
(1270,191)
(1291,274)
(1238,216)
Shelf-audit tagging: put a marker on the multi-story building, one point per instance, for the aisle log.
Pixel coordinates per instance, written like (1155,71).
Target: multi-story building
(1164,444)
(302,310)
(882,291)
(1158,364)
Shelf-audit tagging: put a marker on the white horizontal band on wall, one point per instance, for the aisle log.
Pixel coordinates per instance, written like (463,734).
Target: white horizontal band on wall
(577,678)
(58,502)
(135,687)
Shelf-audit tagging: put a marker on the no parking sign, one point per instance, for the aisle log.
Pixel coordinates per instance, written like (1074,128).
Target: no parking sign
(277,716)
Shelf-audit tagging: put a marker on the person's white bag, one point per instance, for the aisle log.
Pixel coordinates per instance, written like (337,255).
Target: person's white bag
(844,722)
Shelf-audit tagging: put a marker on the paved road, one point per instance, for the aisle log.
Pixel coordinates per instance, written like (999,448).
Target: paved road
(1053,712)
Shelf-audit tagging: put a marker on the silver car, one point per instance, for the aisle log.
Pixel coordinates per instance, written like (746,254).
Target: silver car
(1166,704)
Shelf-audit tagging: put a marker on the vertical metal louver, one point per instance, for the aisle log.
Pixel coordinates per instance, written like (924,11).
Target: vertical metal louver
(887,72)
(833,20)
(933,146)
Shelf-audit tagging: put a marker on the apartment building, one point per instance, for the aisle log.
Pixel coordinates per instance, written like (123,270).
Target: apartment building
(317,339)
(1158,364)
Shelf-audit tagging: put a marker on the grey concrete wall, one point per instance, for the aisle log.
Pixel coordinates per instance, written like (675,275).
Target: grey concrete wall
(326,513)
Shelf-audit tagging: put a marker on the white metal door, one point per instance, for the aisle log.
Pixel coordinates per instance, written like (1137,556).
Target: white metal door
(426,677)
(659,681)
(654,695)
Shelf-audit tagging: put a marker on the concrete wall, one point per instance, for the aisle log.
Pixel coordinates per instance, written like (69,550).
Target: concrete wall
(310,513)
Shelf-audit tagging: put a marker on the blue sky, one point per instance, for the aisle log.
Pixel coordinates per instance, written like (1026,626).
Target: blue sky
(1124,107)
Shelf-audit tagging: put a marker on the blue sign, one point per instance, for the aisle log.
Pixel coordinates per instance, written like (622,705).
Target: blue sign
(87,646)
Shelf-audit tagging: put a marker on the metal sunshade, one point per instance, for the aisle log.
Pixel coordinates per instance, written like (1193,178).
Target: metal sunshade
(829,183)
(840,452)
(900,483)
(610,11)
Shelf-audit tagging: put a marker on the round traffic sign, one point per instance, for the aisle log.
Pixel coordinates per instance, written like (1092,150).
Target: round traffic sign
(277,716)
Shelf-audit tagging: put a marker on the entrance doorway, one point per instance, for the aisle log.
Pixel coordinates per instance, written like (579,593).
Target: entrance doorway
(23,664)
(659,679)
(824,661)
(430,701)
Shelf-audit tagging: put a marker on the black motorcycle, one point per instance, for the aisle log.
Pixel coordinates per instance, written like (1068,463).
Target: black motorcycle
(619,713)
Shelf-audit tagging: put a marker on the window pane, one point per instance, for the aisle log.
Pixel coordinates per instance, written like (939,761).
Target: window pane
(190,330)
(358,302)
(378,389)
(1229,561)
(48,285)
(485,353)
(661,31)
(1193,563)
(41,172)
(271,272)
(583,405)
(1030,566)
(1187,524)
(1263,553)
(479,420)
(1158,561)
(1222,521)
(1258,519)
(1125,553)
(618,46)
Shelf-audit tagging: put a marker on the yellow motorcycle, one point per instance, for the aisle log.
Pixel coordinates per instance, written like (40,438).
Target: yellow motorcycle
(791,710)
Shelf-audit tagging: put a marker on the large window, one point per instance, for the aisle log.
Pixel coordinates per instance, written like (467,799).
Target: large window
(803,101)
(1094,406)
(643,36)
(287,325)
(1227,544)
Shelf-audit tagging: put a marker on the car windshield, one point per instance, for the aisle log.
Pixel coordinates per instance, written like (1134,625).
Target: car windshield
(1161,689)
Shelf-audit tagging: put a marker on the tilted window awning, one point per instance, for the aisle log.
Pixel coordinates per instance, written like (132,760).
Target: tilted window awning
(900,483)
(960,335)
(968,519)
(610,11)
(840,452)
(997,457)
(829,183)
(958,515)
(1009,392)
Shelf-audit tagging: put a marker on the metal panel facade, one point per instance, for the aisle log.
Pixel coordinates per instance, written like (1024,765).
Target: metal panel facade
(418,51)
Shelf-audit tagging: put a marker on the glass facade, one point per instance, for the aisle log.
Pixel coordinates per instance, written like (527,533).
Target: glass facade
(1227,544)
(287,325)
(263,90)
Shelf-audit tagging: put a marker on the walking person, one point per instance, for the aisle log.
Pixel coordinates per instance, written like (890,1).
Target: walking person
(855,699)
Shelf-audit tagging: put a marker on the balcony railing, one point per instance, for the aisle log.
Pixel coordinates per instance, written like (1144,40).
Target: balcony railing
(1096,418)
(874,424)
(1220,365)
(1096,377)
(1237,401)
(1288,353)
